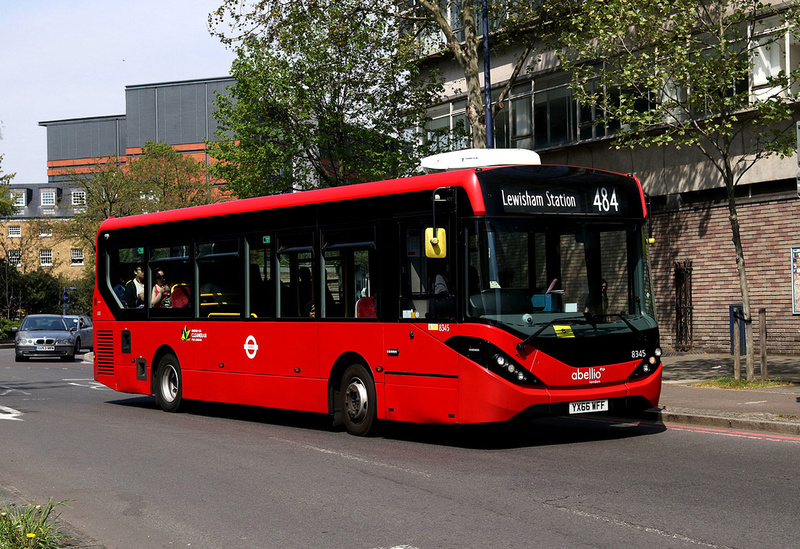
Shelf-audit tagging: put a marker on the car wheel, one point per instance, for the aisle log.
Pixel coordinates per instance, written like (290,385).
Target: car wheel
(169,384)
(77,346)
(357,400)
(20,358)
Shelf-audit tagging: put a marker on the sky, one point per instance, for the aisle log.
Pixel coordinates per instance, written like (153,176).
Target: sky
(72,59)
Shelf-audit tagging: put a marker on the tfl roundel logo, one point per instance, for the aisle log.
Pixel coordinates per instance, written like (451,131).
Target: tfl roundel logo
(251,347)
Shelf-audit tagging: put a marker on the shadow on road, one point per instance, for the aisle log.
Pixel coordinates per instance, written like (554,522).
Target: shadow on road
(518,433)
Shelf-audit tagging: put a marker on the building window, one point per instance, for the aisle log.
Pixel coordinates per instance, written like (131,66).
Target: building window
(18,198)
(46,258)
(15,258)
(78,198)
(76,256)
(45,232)
(14,231)
(448,128)
(48,199)
(554,112)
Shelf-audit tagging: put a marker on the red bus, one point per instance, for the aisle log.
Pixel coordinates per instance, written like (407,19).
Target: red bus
(468,296)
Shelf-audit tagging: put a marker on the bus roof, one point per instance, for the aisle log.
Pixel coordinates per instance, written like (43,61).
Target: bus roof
(469,180)
(466,179)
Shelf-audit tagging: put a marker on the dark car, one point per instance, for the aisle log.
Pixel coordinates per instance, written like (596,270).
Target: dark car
(46,336)
(83,331)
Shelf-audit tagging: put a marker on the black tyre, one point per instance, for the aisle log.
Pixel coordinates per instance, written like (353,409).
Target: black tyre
(169,384)
(357,400)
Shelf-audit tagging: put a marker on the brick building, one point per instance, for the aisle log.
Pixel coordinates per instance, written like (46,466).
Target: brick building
(27,239)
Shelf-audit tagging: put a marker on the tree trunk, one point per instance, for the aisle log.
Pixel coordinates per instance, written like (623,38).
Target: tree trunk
(740,267)
(469,60)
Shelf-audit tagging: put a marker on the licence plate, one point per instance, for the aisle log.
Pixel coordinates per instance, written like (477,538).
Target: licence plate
(585,406)
(45,348)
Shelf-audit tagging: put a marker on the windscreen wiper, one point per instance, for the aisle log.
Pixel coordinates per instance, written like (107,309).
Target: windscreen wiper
(528,340)
(593,318)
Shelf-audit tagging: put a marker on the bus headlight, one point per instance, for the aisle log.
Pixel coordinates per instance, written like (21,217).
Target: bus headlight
(493,359)
(648,365)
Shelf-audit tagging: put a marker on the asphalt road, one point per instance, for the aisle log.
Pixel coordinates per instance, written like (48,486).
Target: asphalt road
(222,476)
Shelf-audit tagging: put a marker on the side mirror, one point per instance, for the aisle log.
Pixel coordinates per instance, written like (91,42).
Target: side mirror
(14,329)
(435,243)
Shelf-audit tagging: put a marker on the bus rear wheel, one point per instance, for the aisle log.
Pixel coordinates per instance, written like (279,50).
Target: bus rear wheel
(169,384)
(357,400)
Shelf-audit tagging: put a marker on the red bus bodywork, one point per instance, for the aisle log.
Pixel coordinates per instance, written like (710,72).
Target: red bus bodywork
(297,364)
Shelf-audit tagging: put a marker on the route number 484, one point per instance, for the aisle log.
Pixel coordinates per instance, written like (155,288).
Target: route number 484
(604,200)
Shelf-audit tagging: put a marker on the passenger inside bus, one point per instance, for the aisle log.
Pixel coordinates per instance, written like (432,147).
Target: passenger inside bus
(134,291)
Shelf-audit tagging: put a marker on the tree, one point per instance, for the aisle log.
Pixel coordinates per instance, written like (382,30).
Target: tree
(161,179)
(167,179)
(41,292)
(326,93)
(688,73)
(442,24)
(7,207)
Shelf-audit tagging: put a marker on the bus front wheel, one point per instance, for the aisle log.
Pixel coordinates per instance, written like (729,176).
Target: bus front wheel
(357,400)
(169,384)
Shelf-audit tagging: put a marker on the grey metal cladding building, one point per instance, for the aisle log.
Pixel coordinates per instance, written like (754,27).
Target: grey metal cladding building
(177,113)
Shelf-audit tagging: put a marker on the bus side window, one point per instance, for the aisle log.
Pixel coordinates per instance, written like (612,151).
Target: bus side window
(298,291)
(260,280)
(349,290)
(220,276)
(122,267)
(175,263)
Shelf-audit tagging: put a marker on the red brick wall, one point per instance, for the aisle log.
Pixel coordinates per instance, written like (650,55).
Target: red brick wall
(769,229)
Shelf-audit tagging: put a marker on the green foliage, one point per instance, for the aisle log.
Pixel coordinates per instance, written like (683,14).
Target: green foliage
(7,207)
(731,383)
(6,326)
(161,179)
(40,292)
(677,72)
(325,94)
(30,527)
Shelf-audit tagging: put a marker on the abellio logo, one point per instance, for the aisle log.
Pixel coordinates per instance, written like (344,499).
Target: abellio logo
(592,375)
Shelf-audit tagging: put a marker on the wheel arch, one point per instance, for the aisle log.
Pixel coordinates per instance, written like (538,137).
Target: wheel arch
(157,356)
(335,380)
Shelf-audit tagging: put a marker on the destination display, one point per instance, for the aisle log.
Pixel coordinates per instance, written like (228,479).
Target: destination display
(532,190)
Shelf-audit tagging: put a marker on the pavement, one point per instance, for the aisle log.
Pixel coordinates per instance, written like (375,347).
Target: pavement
(773,409)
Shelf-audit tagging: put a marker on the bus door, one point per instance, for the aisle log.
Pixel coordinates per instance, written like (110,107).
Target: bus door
(292,341)
(220,302)
(421,372)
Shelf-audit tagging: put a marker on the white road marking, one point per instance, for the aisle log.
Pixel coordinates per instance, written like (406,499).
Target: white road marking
(9,390)
(354,458)
(10,413)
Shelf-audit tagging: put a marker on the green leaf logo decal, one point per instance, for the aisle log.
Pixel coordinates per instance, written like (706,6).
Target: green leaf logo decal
(185,334)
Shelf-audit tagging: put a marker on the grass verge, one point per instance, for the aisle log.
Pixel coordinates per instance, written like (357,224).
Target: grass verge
(30,526)
(731,383)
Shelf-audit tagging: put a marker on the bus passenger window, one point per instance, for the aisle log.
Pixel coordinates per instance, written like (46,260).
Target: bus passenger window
(220,277)
(298,292)
(349,290)
(126,276)
(260,282)
(170,295)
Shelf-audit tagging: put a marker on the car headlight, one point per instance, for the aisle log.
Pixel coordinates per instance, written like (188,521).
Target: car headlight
(64,341)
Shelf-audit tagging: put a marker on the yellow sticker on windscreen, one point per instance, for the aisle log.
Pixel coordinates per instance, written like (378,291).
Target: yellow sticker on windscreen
(563,331)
